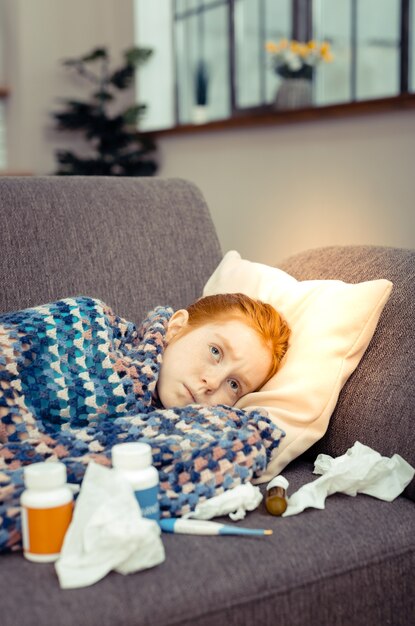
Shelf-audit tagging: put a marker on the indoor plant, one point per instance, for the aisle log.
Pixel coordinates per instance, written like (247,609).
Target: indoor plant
(117,148)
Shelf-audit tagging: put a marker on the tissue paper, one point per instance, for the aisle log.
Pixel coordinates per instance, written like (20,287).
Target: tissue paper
(360,470)
(234,502)
(107,532)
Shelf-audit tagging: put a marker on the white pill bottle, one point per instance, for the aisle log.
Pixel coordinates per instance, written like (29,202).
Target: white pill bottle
(134,461)
(47,508)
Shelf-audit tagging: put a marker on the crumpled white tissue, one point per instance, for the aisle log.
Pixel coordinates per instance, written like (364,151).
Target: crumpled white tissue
(235,502)
(107,532)
(360,470)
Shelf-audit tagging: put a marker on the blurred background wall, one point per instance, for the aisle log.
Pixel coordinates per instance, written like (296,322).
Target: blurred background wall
(272,191)
(275,191)
(37,36)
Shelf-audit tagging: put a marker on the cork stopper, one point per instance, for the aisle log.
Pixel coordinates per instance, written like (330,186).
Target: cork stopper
(276,496)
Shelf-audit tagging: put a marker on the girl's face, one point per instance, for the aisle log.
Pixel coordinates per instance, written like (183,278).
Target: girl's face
(216,363)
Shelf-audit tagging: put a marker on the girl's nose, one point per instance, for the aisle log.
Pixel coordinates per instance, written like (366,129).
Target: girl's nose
(212,382)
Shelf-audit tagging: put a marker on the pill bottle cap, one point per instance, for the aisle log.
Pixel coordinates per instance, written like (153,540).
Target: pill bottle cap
(131,456)
(45,475)
(278,481)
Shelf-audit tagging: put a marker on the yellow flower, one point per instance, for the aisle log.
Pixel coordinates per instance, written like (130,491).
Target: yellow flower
(327,57)
(325,52)
(296,56)
(271,47)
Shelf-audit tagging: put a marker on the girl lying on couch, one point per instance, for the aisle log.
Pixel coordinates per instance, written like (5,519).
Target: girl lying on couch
(75,379)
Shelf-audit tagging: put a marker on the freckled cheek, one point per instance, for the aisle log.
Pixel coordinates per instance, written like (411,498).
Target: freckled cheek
(225,397)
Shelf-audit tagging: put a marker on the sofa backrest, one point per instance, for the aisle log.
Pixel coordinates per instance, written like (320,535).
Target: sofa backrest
(377,404)
(132,242)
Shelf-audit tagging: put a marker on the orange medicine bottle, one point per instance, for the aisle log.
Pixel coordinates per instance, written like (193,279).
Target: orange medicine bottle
(276,496)
(47,507)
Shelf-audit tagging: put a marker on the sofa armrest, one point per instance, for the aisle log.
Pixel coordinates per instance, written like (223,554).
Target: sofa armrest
(376,405)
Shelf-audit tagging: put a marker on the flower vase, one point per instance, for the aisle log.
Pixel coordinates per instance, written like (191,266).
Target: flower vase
(200,114)
(294,93)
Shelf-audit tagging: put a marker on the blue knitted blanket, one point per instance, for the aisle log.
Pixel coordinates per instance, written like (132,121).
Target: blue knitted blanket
(75,379)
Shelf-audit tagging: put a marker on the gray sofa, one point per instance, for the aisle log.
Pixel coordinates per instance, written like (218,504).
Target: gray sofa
(136,243)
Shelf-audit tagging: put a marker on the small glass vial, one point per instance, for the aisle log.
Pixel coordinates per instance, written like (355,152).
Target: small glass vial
(134,461)
(47,507)
(276,496)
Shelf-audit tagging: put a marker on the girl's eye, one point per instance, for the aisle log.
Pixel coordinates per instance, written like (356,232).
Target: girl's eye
(215,352)
(234,385)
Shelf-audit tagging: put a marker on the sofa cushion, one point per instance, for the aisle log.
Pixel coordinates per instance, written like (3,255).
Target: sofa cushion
(332,323)
(377,403)
(310,572)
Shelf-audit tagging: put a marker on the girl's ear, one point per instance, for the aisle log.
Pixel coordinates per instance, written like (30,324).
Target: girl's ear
(177,323)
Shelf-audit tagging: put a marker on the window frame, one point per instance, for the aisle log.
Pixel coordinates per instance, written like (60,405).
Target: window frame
(301,29)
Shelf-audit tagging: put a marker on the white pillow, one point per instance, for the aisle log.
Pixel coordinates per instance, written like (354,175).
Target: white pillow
(332,323)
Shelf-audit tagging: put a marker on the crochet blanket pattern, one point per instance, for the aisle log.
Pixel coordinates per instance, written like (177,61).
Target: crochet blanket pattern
(75,379)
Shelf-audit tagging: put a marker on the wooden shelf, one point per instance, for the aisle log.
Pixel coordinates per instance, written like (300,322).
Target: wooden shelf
(268,116)
(15,173)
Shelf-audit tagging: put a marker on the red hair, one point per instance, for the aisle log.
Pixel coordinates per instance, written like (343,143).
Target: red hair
(261,317)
